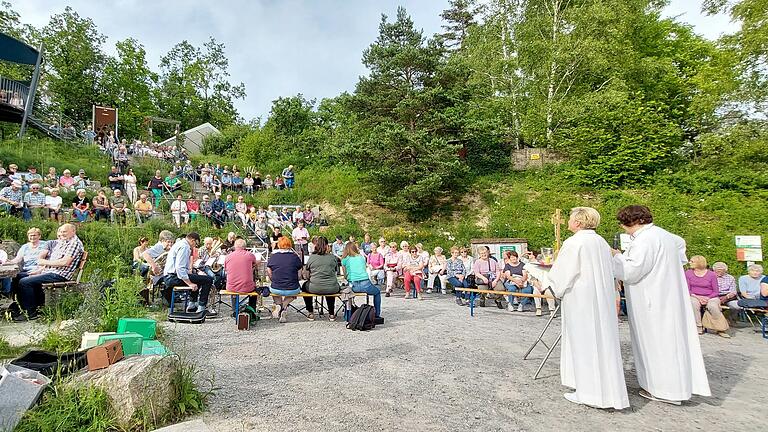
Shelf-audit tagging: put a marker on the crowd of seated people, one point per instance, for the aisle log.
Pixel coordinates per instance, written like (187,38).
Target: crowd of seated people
(712,289)
(218,178)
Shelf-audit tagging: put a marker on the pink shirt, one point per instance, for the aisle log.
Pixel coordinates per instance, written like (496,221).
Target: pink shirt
(300,235)
(239,268)
(375,260)
(705,286)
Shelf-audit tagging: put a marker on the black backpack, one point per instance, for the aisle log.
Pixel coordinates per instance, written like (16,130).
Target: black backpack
(363,318)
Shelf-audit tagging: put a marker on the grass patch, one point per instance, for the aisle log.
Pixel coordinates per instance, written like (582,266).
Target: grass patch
(66,409)
(9,352)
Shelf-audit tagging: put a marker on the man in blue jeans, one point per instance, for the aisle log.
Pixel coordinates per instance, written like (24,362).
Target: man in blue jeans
(59,266)
(177,273)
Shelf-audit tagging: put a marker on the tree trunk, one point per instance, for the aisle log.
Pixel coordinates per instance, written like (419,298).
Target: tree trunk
(552,70)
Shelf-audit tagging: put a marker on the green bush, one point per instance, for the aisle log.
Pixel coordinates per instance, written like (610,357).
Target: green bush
(7,351)
(122,300)
(64,309)
(619,140)
(61,341)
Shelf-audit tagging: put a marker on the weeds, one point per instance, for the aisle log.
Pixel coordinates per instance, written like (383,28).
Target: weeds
(70,409)
(7,351)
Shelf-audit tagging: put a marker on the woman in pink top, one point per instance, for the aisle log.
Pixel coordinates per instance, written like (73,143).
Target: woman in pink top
(392,264)
(66,181)
(376,267)
(704,292)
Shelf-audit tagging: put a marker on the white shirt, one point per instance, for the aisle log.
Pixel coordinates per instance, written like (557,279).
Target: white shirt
(52,202)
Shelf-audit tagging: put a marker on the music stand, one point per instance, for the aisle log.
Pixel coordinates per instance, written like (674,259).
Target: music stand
(541,335)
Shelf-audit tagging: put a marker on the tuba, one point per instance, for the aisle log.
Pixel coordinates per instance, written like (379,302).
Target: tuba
(161,259)
(215,253)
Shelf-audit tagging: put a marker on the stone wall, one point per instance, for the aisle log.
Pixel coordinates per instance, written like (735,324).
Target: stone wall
(536,157)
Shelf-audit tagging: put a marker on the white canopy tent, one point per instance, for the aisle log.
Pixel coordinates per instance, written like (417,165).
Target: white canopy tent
(193,138)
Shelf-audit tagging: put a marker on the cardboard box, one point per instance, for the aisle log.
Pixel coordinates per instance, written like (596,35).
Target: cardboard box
(90,340)
(147,328)
(102,356)
(131,342)
(20,388)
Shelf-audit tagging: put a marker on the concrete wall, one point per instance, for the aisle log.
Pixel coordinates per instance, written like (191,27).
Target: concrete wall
(534,158)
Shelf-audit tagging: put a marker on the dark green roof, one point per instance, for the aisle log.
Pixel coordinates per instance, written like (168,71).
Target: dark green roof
(16,51)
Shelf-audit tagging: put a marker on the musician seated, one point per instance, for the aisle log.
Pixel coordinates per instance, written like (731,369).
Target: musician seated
(177,273)
(151,255)
(238,266)
(60,265)
(208,256)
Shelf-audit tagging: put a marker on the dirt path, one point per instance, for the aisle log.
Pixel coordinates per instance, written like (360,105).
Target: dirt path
(433,368)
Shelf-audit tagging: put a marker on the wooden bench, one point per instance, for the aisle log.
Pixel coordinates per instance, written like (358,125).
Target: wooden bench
(474,292)
(53,290)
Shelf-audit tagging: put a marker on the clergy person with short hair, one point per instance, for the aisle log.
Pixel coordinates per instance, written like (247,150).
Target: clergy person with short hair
(665,344)
(582,276)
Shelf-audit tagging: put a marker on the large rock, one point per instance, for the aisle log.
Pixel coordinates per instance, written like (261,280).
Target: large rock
(10,247)
(136,383)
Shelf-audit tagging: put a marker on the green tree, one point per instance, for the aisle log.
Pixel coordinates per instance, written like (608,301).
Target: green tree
(74,61)
(749,46)
(127,84)
(403,109)
(291,116)
(194,86)
(458,19)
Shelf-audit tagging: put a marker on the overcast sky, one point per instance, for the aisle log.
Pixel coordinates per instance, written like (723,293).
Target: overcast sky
(278,47)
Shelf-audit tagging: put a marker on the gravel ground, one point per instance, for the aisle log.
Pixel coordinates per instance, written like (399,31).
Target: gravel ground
(432,367)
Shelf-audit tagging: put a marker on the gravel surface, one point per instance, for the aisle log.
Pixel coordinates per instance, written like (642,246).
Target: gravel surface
(432,367)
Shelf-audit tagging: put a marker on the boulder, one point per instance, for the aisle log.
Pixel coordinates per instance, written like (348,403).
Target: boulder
(10,247)
(136,383)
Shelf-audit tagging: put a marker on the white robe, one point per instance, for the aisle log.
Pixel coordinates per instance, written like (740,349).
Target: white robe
(665,343)
(590,355)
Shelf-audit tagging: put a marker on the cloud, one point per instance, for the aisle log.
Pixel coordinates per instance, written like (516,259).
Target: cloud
(277,48)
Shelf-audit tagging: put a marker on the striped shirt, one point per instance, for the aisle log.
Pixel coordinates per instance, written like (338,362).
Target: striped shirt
(65,249)
(32,199)
(10,194)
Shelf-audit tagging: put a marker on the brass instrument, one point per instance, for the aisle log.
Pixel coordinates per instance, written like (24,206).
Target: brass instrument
(215,253)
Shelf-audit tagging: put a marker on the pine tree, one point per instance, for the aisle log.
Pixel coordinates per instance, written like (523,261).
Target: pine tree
(459,17)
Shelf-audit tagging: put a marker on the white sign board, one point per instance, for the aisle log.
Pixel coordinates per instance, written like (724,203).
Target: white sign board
(749,248)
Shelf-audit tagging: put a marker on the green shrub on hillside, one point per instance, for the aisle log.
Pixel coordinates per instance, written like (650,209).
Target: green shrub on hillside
(619,140)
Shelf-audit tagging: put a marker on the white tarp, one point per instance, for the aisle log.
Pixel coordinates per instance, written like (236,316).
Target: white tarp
(193,138)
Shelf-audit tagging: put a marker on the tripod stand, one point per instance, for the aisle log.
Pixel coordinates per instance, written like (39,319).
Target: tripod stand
(541,335)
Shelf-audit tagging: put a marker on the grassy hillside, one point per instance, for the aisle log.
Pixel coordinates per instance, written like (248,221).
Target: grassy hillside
(706,205)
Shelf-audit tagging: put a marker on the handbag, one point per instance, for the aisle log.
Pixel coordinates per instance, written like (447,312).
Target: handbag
(719,324)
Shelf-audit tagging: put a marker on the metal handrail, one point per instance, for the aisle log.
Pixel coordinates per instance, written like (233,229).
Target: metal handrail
(45,115)
(13,93)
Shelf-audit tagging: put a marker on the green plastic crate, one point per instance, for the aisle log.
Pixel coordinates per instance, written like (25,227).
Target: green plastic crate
(132,342)
(147,328)
(152,347)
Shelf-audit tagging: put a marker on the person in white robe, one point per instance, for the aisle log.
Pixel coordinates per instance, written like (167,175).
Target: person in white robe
(665,344)
(590,355)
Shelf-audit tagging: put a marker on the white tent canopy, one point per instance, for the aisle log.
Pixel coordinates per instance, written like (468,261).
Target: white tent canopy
(193,138)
